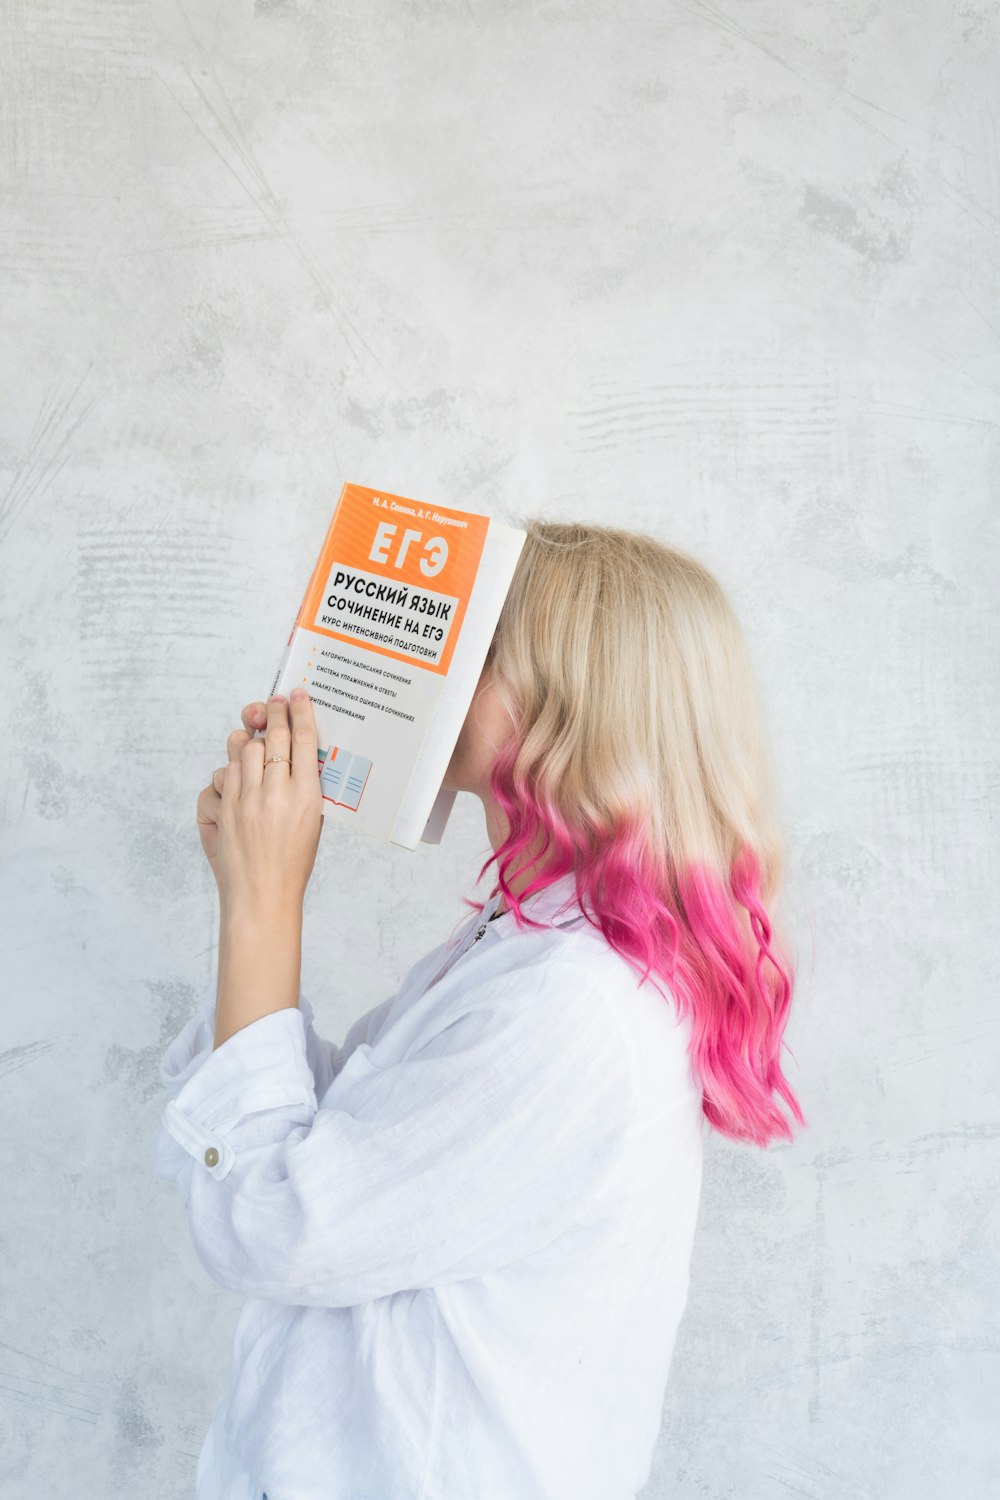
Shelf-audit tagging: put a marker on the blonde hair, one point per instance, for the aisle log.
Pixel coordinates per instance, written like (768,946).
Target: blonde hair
(640,759)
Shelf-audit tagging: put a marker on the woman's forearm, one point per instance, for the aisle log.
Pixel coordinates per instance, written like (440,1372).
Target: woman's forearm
(260,965)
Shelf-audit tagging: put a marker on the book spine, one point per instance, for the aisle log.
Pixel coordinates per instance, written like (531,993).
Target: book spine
(284,657)
(317,567)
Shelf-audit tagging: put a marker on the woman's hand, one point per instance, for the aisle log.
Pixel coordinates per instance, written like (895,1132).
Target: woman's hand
(254,717)
(260,824)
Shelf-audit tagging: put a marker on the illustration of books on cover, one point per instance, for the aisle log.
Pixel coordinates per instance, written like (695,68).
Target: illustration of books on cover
(342,775)
(390,640)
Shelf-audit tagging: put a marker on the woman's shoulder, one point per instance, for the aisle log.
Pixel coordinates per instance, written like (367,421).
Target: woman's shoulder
(572,973)
(655,1031)
(569,991)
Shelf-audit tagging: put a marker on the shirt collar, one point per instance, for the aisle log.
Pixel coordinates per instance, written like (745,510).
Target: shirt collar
(555,904)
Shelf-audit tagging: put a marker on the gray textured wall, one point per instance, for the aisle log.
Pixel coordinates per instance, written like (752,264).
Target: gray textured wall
(726,272)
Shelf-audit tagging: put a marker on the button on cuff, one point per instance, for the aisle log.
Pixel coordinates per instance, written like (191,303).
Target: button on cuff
(213,1151)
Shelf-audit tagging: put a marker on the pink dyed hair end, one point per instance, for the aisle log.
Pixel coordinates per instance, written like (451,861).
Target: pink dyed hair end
(711,945)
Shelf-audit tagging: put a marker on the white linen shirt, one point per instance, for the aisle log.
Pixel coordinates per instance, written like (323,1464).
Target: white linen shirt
(463,1236)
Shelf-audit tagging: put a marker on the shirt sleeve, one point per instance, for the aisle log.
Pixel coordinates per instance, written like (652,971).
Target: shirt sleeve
(476,1150)
(195,1044)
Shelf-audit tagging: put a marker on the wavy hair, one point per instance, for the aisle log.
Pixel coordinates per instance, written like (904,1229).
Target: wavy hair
(640,761)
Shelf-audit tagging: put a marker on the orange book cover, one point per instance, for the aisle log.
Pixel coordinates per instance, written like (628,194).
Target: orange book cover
(390,640)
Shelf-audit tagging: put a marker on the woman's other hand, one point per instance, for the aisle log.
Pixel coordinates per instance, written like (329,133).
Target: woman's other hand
(254,717)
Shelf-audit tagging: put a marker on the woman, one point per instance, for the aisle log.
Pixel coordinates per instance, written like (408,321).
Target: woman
(464,1235)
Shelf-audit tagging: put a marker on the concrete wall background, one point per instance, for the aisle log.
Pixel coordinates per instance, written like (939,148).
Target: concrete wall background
(723,271)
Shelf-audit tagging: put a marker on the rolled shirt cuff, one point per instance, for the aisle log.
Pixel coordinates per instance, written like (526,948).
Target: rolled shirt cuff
(213,1089)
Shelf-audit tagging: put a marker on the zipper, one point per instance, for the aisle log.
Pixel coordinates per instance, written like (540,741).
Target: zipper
(453,958)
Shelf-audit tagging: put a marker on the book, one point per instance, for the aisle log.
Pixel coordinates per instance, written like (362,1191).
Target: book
(390,640)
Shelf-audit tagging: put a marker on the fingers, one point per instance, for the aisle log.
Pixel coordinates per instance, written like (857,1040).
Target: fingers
(232,782)
(305,742)
(277,741)
(254,716)
(291,732)
(207,806)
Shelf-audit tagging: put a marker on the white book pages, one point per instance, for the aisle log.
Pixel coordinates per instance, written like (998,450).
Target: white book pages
(425,806)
